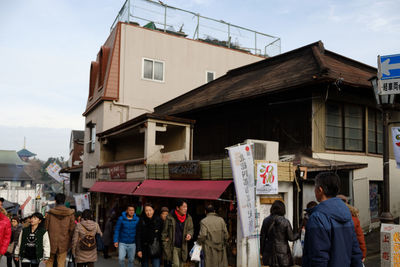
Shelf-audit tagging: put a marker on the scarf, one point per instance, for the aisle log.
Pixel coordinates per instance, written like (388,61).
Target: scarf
(180,218)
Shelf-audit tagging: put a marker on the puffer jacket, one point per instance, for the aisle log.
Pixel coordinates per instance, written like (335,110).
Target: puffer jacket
(330,239)
(125,229)
(83,228)
(276,231)
(60,224)
(5,233)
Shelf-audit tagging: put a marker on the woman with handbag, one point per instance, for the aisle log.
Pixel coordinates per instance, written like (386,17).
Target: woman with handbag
(16,228)
(84,246)
(148,237)
(276,231)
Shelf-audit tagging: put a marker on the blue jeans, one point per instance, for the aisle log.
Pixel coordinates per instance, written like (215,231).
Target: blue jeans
(154,262)
(126,249)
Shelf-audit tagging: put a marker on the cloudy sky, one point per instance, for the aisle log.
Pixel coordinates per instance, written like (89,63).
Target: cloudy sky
(46,48)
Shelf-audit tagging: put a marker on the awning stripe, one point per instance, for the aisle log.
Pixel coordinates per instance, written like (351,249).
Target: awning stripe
(191,189)
(123,188)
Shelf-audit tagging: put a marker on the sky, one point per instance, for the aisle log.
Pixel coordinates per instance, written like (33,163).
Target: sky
(46,48)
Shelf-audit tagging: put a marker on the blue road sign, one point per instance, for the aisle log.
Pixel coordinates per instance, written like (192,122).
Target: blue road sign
(390,67)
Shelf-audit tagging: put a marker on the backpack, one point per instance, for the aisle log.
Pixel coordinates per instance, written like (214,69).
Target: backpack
(88,242)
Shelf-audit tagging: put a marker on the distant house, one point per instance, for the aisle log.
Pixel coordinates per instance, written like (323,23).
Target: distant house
(15,184)
(75,161)
(317,104)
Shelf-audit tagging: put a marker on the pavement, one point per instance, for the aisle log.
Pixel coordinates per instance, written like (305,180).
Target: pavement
(371,240)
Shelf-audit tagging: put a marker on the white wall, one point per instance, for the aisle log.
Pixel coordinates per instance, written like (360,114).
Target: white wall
(185,62)
(374,172)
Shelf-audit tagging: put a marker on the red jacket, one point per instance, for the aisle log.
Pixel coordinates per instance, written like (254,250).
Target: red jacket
(5,233)
(360,235)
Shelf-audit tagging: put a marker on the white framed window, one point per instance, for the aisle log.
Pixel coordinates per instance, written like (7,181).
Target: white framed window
(210,75)
(153,70)
(92,135)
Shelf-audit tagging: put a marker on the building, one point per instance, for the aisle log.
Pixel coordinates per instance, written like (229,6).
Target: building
(144,65)
(317,104)
(75,162)
(15,184)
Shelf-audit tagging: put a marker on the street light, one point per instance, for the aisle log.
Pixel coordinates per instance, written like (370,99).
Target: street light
(385,102)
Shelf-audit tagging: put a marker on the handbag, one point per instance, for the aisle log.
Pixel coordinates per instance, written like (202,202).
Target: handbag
(70,259)
(155,248)
(10,248)
(99,242)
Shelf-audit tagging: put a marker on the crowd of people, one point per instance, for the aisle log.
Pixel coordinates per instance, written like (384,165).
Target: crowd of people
(330,234)
(156,239)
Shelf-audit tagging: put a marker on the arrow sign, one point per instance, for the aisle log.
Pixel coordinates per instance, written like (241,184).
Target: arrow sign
(389,67)
(386,67)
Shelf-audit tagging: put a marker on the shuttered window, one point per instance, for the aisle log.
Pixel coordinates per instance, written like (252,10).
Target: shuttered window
(374,131)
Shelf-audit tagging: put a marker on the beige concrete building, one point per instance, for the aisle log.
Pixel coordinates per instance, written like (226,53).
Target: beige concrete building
(139,68)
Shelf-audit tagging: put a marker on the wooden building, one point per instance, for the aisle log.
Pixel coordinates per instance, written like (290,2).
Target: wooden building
(317,104)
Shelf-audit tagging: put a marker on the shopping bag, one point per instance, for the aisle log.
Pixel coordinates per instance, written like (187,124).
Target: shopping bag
(195,252)
(297,249)
(70,260)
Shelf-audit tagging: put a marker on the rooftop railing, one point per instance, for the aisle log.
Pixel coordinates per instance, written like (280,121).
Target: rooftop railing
(173,20)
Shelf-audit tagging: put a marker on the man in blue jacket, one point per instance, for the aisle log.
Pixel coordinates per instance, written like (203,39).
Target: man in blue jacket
(330,237)
(125,234)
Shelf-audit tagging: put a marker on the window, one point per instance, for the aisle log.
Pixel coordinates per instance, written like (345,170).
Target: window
(374,131)
(153,70)
(92,135)
(210,76)
(344,127)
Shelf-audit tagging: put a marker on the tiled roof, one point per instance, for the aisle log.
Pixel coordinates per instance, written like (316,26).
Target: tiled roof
(308,65)
(10,157)
(25,153)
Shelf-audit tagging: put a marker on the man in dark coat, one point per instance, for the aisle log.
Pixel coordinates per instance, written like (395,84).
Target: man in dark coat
(330,237)
(213,238)
(177,231)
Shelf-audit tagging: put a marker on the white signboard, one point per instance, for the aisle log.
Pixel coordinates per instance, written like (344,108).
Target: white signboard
(267,179)
(82,202)
(390,245)
(54,171)
(243,177)
(396,144)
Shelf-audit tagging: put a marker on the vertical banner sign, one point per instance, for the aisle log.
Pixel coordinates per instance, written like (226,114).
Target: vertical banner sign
(267,179)
(242,165)
(396,144)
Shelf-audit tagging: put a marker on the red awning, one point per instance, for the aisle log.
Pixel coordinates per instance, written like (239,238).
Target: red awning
(123,188)
(192,189)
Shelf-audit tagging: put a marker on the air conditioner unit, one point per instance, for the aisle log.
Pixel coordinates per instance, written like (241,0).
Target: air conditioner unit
(264,150)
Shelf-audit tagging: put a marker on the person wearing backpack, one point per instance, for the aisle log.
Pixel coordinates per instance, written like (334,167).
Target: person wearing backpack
(84,246)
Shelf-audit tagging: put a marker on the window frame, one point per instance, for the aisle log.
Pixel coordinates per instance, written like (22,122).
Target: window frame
(210,71)
(342,106)
(376,113)
(153,61)
(91,144)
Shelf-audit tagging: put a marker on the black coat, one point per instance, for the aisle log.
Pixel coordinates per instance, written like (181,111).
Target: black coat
(147,230)
(274,241)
